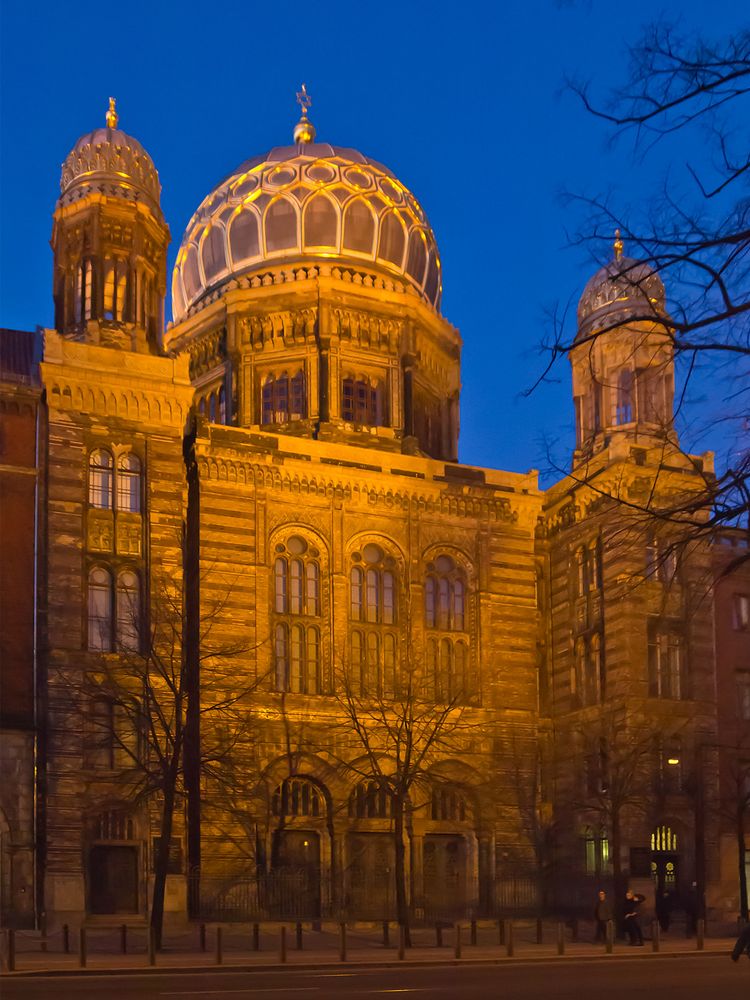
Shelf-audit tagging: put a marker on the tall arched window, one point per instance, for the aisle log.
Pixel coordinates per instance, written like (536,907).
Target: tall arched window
(359,227)
(101,479)
(244,236)
(214,254)
(392,239)
(297,604)
(280,226)
(297,797)
(129,483)
(190,273)
(445,612)
(128,611)
(319,222)
(115,289)
(100,609)
(370,800)
(624,408)
(374,603)
(83,300)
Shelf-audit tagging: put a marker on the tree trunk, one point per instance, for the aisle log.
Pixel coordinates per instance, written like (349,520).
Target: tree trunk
(742,859)
(161,861)
(402,903)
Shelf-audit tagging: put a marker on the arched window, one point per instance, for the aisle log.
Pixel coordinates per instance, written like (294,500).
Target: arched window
(392,239)
(280,226)
(362,402)
(115,287)
(370,800)
(129,483)
(101,476)
(359,227)
(214,254)
(100,610)
(297,596)
(244,237)
(128,611)
(222,405)
(448,805)
(279,405)
(374,601)
(417,258)
(83,292)
(319,222)
(624,408)
(445,595)
(212,407)
(297,797)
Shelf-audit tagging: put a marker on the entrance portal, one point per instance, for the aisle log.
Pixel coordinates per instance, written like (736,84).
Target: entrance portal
(113,879)
(665,868)
(444,876)
(296,873)
(370,876)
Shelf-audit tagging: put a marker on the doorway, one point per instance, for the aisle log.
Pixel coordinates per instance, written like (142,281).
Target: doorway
(113,879)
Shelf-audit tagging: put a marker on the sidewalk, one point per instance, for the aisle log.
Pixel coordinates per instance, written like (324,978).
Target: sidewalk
(322,949)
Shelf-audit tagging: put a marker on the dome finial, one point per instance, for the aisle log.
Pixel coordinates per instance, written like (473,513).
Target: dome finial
(112,116)
(304,131)
(617,245)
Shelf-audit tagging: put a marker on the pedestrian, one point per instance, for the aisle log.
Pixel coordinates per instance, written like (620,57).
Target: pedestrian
(664,909)
(632,923)
(742,944)
(602,916)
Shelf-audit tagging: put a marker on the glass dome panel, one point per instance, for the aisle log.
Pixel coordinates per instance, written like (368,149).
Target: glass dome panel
(320,223)
(417,259)
(392,239)
(214,254)
(191,274)
(281,226)
(244,237)
(359,227)
(433,278)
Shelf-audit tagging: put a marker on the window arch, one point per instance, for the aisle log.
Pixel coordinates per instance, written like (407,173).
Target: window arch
(392,239)
(115,289)
(373,591)
(213,253)
(280,225)
(190,273)
(445,595)
(244,236)
(363,401)
(370,800)
(83,301)
(129,483)
(100,610)
(128,602)
(447,804)
(320,222)
(359,227)
(417,258)
(101,479)
(297,797)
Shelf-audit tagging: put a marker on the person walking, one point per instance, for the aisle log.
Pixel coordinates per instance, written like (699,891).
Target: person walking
(742,944)
(632,923)
(602,916)
(664,909)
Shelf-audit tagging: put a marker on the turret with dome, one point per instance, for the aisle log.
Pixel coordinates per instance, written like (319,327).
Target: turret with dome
(307,291)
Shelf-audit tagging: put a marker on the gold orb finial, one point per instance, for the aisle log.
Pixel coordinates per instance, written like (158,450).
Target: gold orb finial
(112,116)
(304,130)
(618,246)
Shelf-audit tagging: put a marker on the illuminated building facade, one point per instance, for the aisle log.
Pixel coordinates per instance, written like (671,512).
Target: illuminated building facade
(284,455)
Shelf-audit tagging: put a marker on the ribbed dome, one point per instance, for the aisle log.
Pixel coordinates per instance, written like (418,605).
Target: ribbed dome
(112,162)
(619,291)
(306,202)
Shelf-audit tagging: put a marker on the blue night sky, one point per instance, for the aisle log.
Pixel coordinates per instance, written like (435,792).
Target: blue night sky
(464,102)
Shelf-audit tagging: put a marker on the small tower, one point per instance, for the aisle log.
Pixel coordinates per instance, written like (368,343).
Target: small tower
(110,240)
(622,358)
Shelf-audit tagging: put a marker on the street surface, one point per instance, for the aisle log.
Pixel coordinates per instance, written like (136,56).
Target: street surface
(688,978)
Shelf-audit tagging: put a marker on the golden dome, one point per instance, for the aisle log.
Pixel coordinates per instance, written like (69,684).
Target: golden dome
(309,201)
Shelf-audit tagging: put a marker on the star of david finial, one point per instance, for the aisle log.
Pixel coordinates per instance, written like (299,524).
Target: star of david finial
(304,131)
(617,246)
(304,100)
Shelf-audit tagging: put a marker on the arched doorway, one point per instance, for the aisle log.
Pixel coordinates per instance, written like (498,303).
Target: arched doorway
(113,865)
(446,856)
(665,860)
(371,854)
(299,808)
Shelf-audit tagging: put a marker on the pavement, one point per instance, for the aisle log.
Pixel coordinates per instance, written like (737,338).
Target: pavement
(321,950)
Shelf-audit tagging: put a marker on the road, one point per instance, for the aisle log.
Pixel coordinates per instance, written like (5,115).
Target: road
(693,978)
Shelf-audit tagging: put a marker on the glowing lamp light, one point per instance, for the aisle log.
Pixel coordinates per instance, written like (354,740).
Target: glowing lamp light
(673,761)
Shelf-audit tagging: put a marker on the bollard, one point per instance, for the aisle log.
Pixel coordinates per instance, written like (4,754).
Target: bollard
(401,942)
(82,947)
(560,938)
(282,944)
(219,951)
(298,935)
(610,937)
(342,941)
(43,929)
(151,946)
(386,934)
(473,933)
(457,950)
(203,937)
(501,932)
(438,936)
(539,930)
(655,933)
(11,949)
(66,939)
(124,939)
(256,937)
(509,939)
(700,933)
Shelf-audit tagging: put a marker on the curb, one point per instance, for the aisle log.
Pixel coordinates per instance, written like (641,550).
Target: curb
(364,966)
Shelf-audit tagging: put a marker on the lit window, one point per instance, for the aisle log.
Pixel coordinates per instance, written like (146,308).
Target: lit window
(129,483)
(115,289)
(100,479)
(100,610)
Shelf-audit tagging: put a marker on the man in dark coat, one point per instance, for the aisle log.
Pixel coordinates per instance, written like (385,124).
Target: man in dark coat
(632,923)
(602,916)
(742,944)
